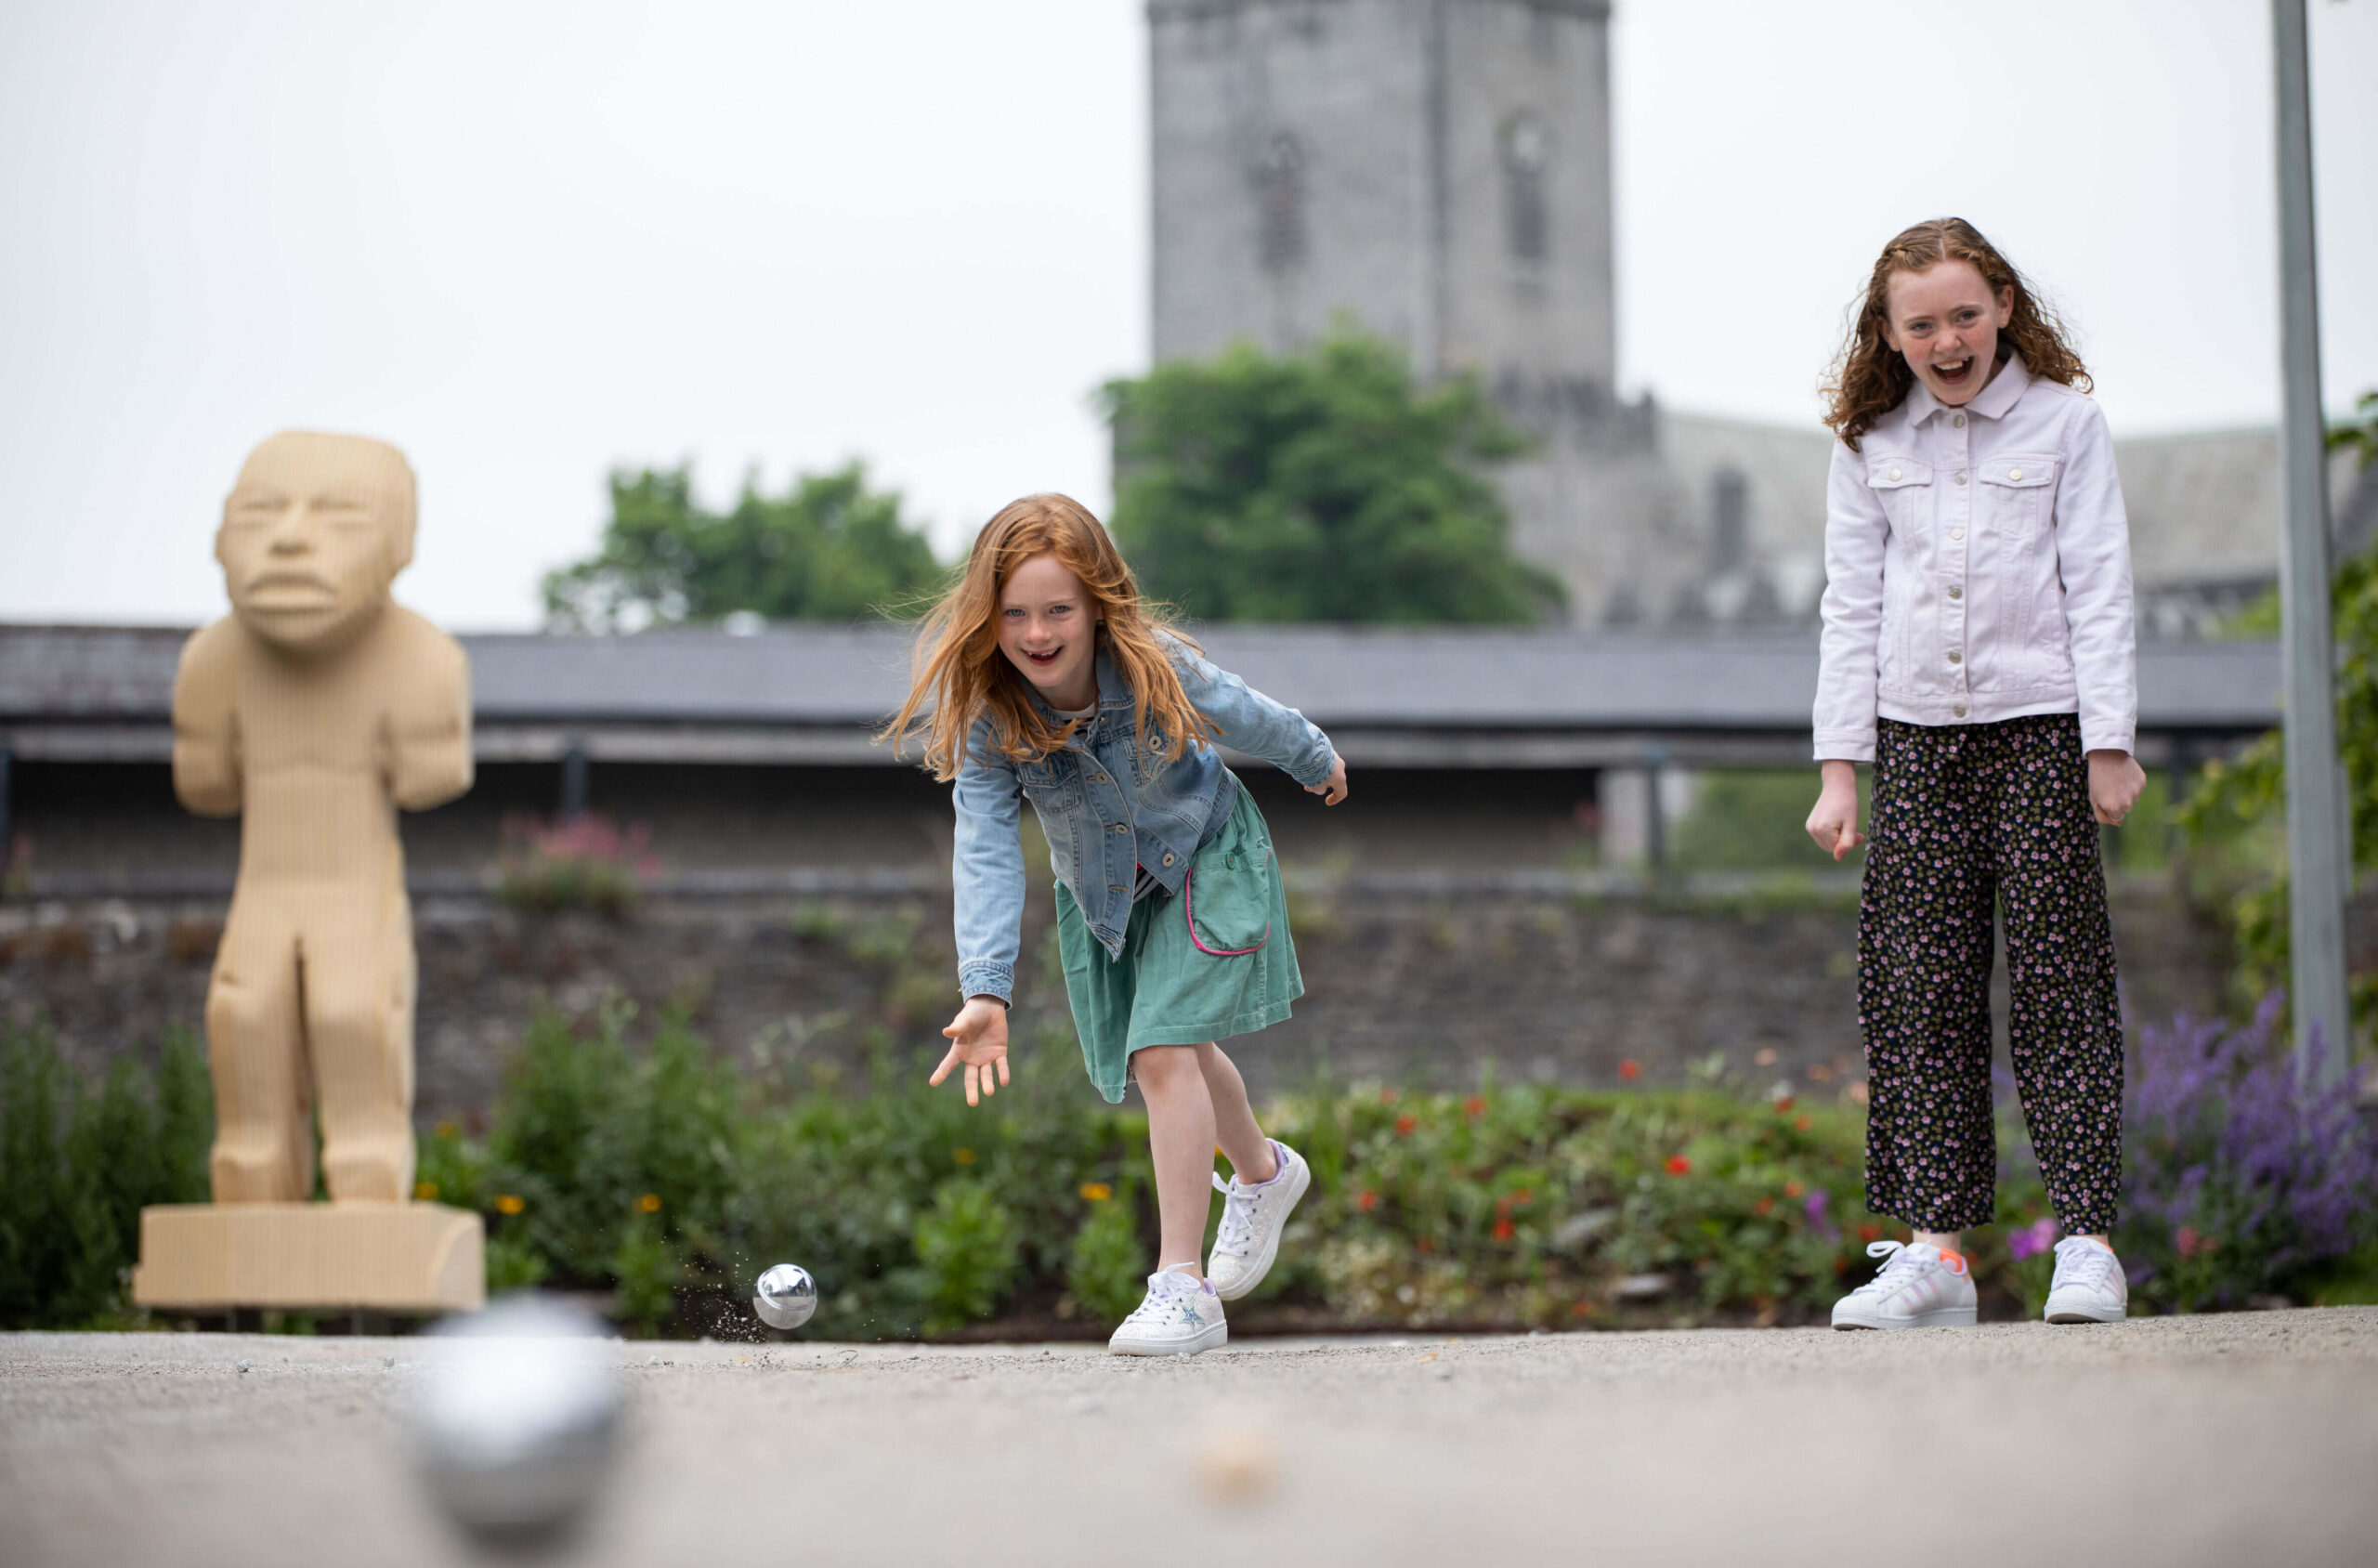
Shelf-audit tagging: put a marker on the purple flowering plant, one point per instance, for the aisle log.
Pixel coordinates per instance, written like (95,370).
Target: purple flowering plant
(2239,1178)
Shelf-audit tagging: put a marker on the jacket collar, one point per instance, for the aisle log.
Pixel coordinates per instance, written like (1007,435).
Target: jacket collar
(1993,401)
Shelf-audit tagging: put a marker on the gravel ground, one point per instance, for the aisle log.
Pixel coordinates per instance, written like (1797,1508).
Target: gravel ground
(2215,1440)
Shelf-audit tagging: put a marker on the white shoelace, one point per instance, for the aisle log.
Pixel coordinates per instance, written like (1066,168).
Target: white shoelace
(1158,1302)
(1901,1268)
(2080,1262)
(1237,1232)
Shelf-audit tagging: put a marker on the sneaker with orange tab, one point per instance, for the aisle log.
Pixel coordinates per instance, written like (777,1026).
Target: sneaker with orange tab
(1919,1286)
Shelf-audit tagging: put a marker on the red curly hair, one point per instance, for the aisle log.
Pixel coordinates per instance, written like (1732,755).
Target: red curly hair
(1870,378)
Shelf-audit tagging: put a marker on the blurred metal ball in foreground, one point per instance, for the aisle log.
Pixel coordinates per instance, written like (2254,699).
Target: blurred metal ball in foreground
(515,1418)
(785,1297)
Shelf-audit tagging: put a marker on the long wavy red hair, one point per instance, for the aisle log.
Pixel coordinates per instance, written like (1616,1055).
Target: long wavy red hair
(1870,378)
(960,675)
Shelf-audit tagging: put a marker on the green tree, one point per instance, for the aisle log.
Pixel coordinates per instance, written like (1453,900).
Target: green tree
(829,549)
(2242,802)
(1322,485)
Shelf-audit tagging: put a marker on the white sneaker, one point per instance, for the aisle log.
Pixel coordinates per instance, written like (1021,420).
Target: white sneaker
(2089,1285)
(1180,1316)
(1919,1288)
(1249,1237)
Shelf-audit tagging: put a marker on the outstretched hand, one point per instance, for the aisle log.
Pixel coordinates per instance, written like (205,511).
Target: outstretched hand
(979,1033)
(1333,788)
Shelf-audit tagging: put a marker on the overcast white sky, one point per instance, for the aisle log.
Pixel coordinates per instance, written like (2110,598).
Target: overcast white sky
(527,243)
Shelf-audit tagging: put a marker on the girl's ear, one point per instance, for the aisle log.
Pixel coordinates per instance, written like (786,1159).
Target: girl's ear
(2006,305)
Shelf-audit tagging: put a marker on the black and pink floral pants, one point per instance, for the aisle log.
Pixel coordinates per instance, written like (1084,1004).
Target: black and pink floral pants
(1963,817)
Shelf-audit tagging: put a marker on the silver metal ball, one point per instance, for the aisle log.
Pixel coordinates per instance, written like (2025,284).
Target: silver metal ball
(785,1297)
(515,1418)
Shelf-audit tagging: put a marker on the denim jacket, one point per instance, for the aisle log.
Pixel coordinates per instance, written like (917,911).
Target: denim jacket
(1107,808)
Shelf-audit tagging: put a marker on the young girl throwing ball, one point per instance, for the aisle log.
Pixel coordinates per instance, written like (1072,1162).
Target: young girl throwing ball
(1979,651)
(1048,679)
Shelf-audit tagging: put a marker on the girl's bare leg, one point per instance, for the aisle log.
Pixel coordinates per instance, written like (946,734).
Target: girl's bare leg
(1180,1142)
(1249,1152)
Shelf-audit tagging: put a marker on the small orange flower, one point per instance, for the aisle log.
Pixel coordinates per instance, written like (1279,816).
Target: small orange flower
(963,1156)
(424,1192)
(1679,1166)
(1766,1205)
(1630,1069)
(1524,1197)
(1803,1123)
(509,1204)
(446,1130)
(1869,1232)
(649,1204)
(1367,1201)
(1405,1124)
(1502,1229)
(1475,1105)
(1581,1309)
(1426,1244)
(1096,1192)
(1783,1101)
(1792,1189)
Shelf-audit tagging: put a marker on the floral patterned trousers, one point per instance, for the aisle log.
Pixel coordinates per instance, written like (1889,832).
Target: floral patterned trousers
(1963,817)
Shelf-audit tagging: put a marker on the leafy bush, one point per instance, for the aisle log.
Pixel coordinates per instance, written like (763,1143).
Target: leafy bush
(77,1168)
(581,862)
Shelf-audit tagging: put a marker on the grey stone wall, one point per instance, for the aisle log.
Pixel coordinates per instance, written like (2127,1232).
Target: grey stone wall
(1401,986)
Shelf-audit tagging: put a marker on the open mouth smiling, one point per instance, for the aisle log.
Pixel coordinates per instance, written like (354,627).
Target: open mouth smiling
(1954,373)
(1043,660)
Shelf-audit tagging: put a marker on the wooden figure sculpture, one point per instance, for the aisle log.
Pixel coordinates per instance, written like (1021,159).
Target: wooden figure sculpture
(314,712)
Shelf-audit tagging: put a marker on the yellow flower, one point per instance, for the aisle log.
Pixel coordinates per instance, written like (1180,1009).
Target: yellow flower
(447,1129)
(1097,1192)
(424,1192)
(963,1156)
(509,1204)
(649,1203)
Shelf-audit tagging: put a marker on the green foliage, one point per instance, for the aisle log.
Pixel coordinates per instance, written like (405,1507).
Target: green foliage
(967,1250)
(2234,817)
(829,549)
(1318,486)
(78,1167)
(1107,1268)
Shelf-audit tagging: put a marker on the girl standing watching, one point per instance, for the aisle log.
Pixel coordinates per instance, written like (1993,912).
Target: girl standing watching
(1048,679)
(1979,651)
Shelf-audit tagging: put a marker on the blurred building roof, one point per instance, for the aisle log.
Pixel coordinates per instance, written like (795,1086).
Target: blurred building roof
(1404,697)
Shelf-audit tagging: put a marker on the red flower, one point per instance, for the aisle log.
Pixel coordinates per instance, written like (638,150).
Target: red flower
(1679,1166)
(1475,1105)
(1630,1069)
(1802,1123)
(1367,1201)
(1581,1309)
(1426,1244)
(1792,1189)
(1869,1232)
(1502,1229)
(1405,1124)
(1524,1197)
(1783,1101)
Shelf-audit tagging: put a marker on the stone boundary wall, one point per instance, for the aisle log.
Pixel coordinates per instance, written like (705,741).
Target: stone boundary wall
(1419,987)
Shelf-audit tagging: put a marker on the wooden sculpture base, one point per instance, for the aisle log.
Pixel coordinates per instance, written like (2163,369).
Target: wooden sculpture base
(371,1257)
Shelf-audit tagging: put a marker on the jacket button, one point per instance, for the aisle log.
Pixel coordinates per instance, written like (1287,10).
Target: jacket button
(2014,473)
(1961,475)
(1894,472)
(1168,857)
(1959,422)
(1956,592)
(1122,827)
(1959,710)
(1097,778)
(1956,533)
(1956,658)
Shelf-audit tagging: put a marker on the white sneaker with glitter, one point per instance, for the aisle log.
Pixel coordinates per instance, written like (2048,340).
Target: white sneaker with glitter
(2089,1286)
(1180,1316)
(1918,1288)
(1249,1237)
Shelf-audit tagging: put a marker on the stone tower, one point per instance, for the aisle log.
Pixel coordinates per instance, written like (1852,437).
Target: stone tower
(1439,169)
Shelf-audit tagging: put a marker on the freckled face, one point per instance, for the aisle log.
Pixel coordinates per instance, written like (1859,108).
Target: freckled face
(1048,630)
(1945,321)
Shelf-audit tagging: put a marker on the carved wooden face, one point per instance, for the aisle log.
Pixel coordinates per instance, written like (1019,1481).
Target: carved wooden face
(313,533)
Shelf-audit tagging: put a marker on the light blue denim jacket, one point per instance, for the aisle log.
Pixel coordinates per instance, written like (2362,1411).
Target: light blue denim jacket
(1107,807)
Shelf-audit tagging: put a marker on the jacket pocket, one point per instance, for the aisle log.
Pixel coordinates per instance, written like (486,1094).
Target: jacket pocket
(2014,493)
(1050,784)
(1902,486)
(1226,899)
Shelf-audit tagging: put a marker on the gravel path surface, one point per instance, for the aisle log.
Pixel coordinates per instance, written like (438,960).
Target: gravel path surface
(2242,1438)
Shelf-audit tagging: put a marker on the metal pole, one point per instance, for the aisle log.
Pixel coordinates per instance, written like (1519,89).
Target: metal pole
(2318,847)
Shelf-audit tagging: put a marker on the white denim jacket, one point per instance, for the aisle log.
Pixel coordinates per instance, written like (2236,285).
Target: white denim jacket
(1977,565)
